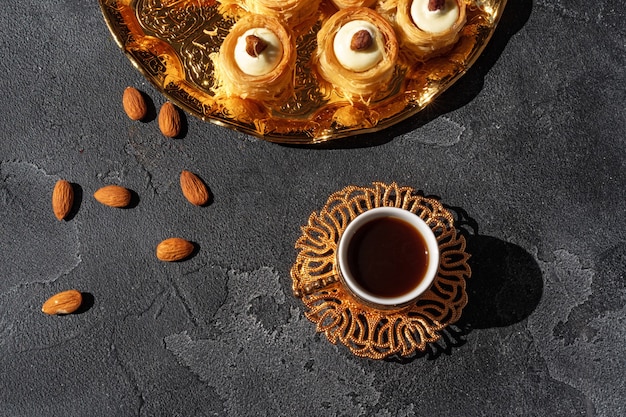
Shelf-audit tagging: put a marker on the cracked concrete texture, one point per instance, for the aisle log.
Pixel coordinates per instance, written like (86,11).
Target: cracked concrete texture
(441,132)
(28,232)
(580,342)
(247,359)
(529,143)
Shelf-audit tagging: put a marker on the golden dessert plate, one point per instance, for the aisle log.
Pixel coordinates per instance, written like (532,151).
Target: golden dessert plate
(171,41)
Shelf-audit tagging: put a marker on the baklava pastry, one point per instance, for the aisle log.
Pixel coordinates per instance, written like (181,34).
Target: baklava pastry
(356,53)
(343,4)
(429,27)
(256,61)
(297,15)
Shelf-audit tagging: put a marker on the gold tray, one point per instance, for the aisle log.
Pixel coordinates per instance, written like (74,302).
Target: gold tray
(366,331)
(169,42)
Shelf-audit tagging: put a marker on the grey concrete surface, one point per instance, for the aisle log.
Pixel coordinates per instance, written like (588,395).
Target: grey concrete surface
(530,145)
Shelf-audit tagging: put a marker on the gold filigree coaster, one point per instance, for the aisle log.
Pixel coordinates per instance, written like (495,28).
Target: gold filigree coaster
(367,331)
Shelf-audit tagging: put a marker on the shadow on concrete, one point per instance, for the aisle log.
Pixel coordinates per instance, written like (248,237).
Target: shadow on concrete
(505,287)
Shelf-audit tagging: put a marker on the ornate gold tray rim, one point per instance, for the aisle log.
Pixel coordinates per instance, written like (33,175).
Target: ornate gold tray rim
(413,107)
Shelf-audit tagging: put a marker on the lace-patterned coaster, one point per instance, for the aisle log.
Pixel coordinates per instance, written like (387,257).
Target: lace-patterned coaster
(366,331)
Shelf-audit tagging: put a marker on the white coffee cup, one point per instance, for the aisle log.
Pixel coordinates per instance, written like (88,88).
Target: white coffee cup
(417,231)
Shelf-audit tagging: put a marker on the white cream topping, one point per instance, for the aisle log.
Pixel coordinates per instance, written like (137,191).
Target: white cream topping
(266,61)
(435,21)
(360,60)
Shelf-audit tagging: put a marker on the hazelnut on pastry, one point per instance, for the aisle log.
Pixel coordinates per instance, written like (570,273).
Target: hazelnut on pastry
(356,53)
(256,61)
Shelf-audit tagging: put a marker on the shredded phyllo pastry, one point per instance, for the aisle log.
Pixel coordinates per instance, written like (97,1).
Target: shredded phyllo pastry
(356,85)
(270,86)
(357,65)
(343,4)
(414,20)
(298,15)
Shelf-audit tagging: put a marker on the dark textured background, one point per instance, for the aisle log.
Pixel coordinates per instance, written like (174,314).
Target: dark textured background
(529,145)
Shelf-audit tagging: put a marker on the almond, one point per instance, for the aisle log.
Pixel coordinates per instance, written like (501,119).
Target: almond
(194,190)
(65,302)
(174,249)
(169,120)
(113,196)
(134,104)
(62,199)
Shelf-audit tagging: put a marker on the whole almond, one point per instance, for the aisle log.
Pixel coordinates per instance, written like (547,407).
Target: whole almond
(62,199)
(65,302)
(174,249)
(194,190)
(134,103)
(169,120)
(113,196)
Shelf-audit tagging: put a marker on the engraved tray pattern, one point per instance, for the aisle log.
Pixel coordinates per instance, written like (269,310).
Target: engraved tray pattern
(364,330)
(170,42)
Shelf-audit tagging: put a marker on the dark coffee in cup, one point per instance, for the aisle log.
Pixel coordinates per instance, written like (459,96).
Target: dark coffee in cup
(388,257)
